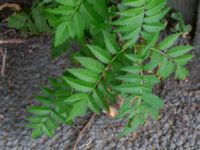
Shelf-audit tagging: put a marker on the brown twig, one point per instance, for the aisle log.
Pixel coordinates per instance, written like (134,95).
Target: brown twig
(12,6)
(12,41)
(195,91)
(83,130)
(3,66)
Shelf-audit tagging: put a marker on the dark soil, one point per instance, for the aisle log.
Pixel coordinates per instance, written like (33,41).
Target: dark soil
(29,65)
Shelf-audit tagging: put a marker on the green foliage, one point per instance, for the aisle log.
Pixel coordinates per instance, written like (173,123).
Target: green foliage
(53,111)
(30,22)
(180,25)
(140,18)
(64,19)
(70,23)
(121,54)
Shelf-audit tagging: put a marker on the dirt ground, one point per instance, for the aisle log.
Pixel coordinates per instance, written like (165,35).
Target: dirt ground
(28,65)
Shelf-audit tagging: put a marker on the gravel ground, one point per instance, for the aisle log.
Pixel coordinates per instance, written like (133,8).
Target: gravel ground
(29,65)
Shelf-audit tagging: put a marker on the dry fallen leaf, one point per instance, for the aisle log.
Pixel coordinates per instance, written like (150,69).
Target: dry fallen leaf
(112,111)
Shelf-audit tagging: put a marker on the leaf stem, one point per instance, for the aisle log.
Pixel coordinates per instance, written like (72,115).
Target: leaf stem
(106,69)
(164,54)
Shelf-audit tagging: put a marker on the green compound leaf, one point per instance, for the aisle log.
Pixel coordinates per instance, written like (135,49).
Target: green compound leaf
(141,18)
(122,57)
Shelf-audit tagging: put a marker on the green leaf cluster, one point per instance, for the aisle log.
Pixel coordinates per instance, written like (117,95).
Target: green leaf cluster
(121,54)
(66,20)
(52,111)
(70,23)
(140,18)
(30,21)
(179,25)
